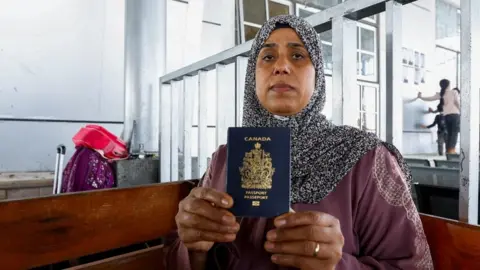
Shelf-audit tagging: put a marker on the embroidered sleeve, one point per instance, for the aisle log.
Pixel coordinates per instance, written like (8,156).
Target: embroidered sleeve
(176,254)
(390,235)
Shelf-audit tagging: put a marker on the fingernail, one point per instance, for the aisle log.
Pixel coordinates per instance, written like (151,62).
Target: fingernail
(271,235)
(274,258)
(228,218)
(224,201)
(269,245)
(280,222)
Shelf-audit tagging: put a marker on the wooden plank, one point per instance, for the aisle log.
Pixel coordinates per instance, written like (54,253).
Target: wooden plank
(146,259)
(453,244)
(46,230)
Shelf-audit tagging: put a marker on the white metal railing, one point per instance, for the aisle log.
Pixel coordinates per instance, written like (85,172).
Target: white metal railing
(177,118)
(180,88)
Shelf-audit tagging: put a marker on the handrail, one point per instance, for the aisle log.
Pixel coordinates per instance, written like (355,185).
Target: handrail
(322,21)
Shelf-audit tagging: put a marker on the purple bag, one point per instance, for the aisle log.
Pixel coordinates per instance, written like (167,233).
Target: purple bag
(87,170)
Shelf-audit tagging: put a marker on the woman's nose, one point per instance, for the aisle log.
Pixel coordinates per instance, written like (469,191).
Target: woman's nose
(282,67)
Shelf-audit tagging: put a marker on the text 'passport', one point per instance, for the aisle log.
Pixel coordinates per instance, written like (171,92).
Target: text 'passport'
(258,171)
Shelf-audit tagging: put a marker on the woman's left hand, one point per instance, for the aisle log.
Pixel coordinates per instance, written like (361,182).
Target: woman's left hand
(306,240)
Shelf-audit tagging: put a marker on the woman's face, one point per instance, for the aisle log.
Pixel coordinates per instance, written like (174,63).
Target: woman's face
(285,76)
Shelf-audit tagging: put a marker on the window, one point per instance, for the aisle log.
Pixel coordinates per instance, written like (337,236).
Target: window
(366,46)
(447,64)
(367,52)
(325,37)
(369,116)
(256,12)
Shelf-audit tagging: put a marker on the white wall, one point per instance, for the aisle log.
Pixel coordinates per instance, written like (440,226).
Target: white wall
(63,60)
(59,60)
(418,33)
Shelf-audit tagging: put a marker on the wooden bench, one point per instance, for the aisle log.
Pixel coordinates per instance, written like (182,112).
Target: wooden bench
(43,231)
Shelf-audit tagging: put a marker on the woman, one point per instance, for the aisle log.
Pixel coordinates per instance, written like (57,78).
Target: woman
(450,104)
(351,203)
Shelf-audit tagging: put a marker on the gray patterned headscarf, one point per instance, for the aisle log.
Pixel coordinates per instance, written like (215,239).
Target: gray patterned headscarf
(322,154)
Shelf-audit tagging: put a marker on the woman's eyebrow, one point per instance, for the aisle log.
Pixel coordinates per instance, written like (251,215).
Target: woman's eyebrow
(295,44)
(289,44)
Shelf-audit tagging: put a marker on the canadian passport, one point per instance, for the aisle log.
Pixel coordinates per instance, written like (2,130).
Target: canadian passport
(258,171)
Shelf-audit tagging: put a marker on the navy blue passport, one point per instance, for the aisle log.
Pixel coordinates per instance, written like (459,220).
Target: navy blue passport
(258,171)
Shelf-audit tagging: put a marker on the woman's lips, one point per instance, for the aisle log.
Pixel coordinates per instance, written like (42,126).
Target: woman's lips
(281,87)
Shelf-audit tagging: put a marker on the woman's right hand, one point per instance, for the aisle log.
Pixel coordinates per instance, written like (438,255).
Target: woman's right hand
(203,219)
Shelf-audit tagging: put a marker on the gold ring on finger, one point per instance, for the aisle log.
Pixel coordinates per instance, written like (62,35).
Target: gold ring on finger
(317,249)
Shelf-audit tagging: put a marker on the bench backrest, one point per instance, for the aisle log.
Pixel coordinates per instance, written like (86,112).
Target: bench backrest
(447,164)
(417,162)
(41,231)
(46,230)
(446,177)
(454,245)
(454,157)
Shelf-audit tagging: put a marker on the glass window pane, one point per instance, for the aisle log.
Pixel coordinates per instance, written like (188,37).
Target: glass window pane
(275,9)
(326,36)
(369,122)
(369,99)
(254,11)
(367,42)
(250,32)
(327,57)
(366,65)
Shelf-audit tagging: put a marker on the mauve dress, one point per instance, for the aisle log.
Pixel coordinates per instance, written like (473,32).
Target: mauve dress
(378,218)
(87,170)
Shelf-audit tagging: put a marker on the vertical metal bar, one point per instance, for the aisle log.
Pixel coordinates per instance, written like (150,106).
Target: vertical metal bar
(267,10)
(242,25)
(394,104)
(382,76)
(240,72)
(220,107)
(180,127)
(225,112)
(174,127)
(344,73)
(470,65)
(190,88)
(202,122)
(164,156)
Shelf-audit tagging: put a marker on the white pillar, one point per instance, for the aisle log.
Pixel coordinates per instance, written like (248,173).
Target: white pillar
(394,103)
(145,62)
(470,65)
(344,73)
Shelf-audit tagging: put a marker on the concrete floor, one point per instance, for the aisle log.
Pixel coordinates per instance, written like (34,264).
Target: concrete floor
(425,156)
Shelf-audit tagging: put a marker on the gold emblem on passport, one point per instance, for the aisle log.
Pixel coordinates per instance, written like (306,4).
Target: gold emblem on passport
(257,170)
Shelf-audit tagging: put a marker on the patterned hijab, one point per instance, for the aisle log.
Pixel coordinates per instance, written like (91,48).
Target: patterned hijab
(322,154)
